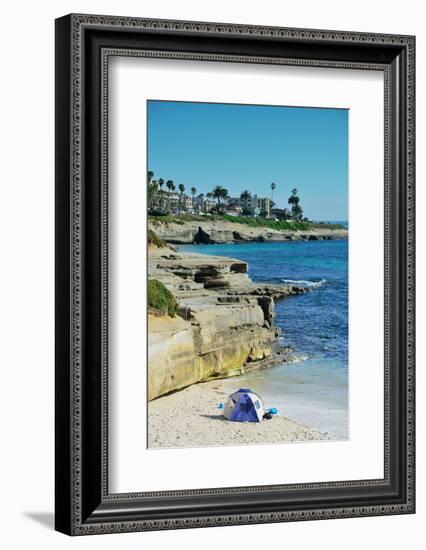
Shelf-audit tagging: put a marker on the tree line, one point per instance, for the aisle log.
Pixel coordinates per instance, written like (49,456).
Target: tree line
(156,197)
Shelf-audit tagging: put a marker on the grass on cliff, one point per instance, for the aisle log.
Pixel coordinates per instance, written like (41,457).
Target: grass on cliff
(161,299)
(155,240)
(262,222)
(245,220)
(181,219)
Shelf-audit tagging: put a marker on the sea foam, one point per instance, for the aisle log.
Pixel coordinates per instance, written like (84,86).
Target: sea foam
(310,284)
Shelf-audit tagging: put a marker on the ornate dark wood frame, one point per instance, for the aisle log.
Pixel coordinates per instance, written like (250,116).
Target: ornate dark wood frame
(83,45)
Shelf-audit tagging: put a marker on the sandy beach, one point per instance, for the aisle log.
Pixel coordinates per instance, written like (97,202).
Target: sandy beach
(191,418)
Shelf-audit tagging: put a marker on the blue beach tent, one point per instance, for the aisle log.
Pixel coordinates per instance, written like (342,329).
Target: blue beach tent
(244,406)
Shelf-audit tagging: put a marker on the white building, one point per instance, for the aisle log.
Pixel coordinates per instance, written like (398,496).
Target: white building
(253,203)
(202,203)
(185,202)
(166,200)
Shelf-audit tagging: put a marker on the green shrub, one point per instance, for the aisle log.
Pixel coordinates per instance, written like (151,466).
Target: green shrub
(160,298)
(246,220)
(262,222)
(155,240)
(180,219)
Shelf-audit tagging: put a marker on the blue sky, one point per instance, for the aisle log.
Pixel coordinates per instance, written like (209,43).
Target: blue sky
(248,147)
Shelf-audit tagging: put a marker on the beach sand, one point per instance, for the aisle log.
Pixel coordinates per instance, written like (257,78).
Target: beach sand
(191,418)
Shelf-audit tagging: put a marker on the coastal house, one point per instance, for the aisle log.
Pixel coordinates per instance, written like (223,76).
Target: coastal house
(264,205)
(233,209)
(186,203)
(166,200)
(252,202)
(280,213)
(202,203)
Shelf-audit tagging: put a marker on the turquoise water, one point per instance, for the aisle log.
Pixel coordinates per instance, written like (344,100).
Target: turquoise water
(315,324)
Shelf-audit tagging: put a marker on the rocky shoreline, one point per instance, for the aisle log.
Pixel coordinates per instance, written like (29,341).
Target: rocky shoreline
(224,323)
(220,231)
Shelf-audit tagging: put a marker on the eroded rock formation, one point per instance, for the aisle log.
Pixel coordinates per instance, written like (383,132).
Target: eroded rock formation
(219,231)
(224,325)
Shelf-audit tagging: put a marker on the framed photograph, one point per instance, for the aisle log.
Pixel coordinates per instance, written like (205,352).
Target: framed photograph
(234,274)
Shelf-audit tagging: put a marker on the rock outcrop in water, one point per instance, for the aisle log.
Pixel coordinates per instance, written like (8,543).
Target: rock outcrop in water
(224,325)
(220,231)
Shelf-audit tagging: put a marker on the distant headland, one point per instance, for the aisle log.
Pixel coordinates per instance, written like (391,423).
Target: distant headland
(216,217)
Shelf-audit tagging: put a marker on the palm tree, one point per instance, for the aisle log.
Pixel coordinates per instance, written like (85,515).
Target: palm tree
(294,201)
(173,188)
(220,193)
(193,193)
(152,190)
(169,185)
(181,188)
(217,194)
(297,212)
(161,195)
(208,196)
(245,196)
(224,194)
(273,186)
(293,198)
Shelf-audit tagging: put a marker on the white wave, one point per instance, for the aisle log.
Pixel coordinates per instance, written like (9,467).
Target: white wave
(296,357)
(310,284)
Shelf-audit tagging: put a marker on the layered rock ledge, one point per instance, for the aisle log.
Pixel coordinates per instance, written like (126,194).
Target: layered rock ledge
(220,231)
(224,325)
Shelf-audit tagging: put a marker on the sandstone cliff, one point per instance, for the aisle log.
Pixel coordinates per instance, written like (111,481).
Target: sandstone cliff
(219,231)
(224,325)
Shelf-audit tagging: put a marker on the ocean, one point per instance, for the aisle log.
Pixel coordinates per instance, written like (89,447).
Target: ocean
(313,391)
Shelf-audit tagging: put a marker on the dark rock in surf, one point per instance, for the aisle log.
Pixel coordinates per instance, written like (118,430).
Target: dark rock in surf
(201,237)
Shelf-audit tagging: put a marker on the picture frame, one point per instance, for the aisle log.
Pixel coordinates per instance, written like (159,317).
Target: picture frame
(84,44)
